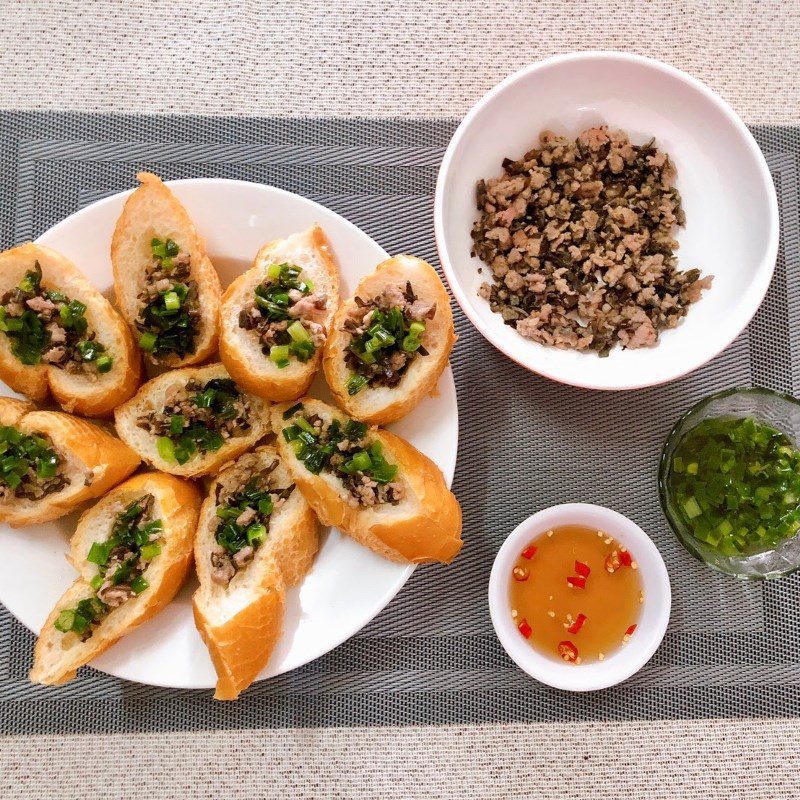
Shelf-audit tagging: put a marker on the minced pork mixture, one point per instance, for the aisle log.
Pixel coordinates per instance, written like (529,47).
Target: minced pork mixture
(578,237)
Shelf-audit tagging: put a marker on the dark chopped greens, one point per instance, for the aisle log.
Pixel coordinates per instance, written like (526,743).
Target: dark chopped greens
(273,303)
(121,561)
(167,321)
(29,464)
(198,428)
(234,536)
(736,485)
(380,351)
(29,331)
(342,450)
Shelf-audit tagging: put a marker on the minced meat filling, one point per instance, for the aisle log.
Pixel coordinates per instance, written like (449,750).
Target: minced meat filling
(198,417)
(285,313)
(30,465)
(246,497)
(579,239)
(347,452)
(44,326)
(169,307)
(135,540)
(385,336)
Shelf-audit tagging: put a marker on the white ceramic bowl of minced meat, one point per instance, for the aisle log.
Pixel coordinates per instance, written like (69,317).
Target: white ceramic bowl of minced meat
(586,300)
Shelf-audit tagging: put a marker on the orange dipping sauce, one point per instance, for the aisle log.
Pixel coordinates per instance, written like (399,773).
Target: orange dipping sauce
(576,594)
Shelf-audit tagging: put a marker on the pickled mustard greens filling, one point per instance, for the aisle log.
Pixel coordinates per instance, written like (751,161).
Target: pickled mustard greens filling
(281,312)
(30,465)
(243,521)
(136,539)
(197,419)
(385,337)
(169,307)
(46,326)
(347,452)
(736,485)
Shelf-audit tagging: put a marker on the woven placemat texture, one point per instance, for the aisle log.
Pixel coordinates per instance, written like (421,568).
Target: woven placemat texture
(431,656)
(429,58)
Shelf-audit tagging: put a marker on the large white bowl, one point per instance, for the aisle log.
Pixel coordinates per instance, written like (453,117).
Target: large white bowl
(731,209)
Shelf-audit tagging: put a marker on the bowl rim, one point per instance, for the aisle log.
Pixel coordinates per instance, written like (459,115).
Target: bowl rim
(676,433)
(622,663)
(769,258)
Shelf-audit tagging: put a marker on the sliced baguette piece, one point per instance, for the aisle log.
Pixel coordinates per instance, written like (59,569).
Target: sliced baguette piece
(151,397)
(153,211)
(94,462)
(241,622)
(95,395)
(423,527)
(57,655)
(241,350)
(381,405)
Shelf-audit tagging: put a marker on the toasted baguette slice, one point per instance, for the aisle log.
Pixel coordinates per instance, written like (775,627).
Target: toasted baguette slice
(152,211)
(380,405)
(241,622)
(94,461)
(92,395)
(152,398)
(58,656)
(241,350)
(424,526)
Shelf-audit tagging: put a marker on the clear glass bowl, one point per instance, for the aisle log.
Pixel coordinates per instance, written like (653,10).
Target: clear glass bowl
(780,411)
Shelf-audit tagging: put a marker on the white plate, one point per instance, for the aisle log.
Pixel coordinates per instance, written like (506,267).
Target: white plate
(348,584)
(731,209)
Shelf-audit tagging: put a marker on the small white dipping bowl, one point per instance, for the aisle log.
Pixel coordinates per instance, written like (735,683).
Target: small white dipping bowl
(728,195)
(651,626)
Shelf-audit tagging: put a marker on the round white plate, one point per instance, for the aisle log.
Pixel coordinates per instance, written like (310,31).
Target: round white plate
(348,584)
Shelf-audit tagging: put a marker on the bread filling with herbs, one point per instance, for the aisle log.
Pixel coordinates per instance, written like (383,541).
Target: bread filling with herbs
(578,235)
(385,336)
(347,452)
(136,539)
(44,326)
(247,495)
(30,465)
(169,309)
(197,418)
(284,312)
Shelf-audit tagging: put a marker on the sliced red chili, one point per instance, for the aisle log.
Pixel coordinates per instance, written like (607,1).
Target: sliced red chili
(520,573)
(630,630)
(568,651)
(577,624)
(625,558)
(582,569)
(576,582)
(529,552)
(525,629)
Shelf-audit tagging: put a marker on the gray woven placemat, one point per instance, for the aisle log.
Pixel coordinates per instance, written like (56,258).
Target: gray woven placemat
(431,657)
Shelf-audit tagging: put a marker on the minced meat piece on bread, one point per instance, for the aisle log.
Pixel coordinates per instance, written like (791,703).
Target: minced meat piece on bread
(578,237)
